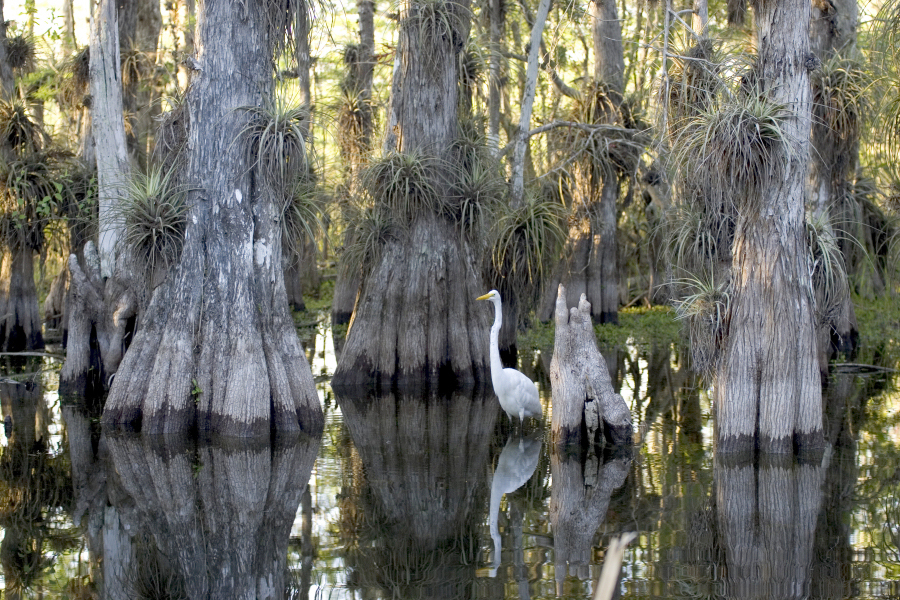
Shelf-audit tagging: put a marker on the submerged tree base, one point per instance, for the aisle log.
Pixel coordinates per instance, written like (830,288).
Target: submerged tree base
(417,322)
(584,401)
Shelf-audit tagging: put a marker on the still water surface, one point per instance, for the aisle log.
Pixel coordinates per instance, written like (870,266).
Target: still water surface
(439,497)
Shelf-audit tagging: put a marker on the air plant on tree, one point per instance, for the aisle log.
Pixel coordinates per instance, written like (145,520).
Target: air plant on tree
(153,213)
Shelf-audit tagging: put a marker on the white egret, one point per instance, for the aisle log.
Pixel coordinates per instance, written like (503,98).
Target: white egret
(517,394)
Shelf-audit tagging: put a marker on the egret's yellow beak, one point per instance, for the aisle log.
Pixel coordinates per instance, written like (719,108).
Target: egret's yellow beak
(485,297)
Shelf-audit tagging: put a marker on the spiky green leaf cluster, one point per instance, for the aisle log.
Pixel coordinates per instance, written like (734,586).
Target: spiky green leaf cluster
(301,215)
(704,307)
(404,185)
(829,277)
(527,239)
(153,212)
(839,101)
(738,146)
(274,140)
(30,195)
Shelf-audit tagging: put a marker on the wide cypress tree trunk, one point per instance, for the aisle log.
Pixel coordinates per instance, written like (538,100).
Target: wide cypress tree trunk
(216,347)
(416,319)
(768,378)
(20,320)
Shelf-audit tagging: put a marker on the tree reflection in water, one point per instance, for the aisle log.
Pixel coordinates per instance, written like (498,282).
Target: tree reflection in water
(181,518)
(220,513)
(401,503)
(425,460)
(33,487)
(767,519)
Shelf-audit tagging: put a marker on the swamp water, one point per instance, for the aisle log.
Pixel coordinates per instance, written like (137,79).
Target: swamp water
(408,497)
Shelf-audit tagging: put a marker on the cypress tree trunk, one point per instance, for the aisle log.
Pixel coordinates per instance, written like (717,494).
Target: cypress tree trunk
(584,400)
(20,320)
(768,377)
(355,147)
(835,140)
(216,348)
(416,320)
(590,266)
(98,305)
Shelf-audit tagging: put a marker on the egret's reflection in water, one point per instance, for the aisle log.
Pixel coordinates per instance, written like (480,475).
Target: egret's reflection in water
(516,465)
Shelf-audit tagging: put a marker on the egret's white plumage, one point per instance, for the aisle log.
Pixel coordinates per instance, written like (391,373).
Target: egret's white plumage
(517,394)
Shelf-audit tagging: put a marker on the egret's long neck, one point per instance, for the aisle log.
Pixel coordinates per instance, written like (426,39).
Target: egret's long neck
(496,364)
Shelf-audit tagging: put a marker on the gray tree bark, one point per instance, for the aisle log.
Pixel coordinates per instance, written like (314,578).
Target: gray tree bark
(20,319)
(98,320)
(835,158)
(416,320)
(98,304)
(768,378)
(108,129)
(583,397)
(216,348)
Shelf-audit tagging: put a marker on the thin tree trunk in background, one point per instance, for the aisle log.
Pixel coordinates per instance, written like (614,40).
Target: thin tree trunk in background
(108,129)
(768,380)
(360,77)
(495,16)
(737,10)
(301,271)
(20,319)
(517,166)
(69,43)
(700,18)
(609,69)
(303,58)
(833,168)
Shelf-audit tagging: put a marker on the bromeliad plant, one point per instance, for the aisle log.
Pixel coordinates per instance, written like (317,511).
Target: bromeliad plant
(274,140)
(153,213)
(30,193)
(526,240)
(704,308)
